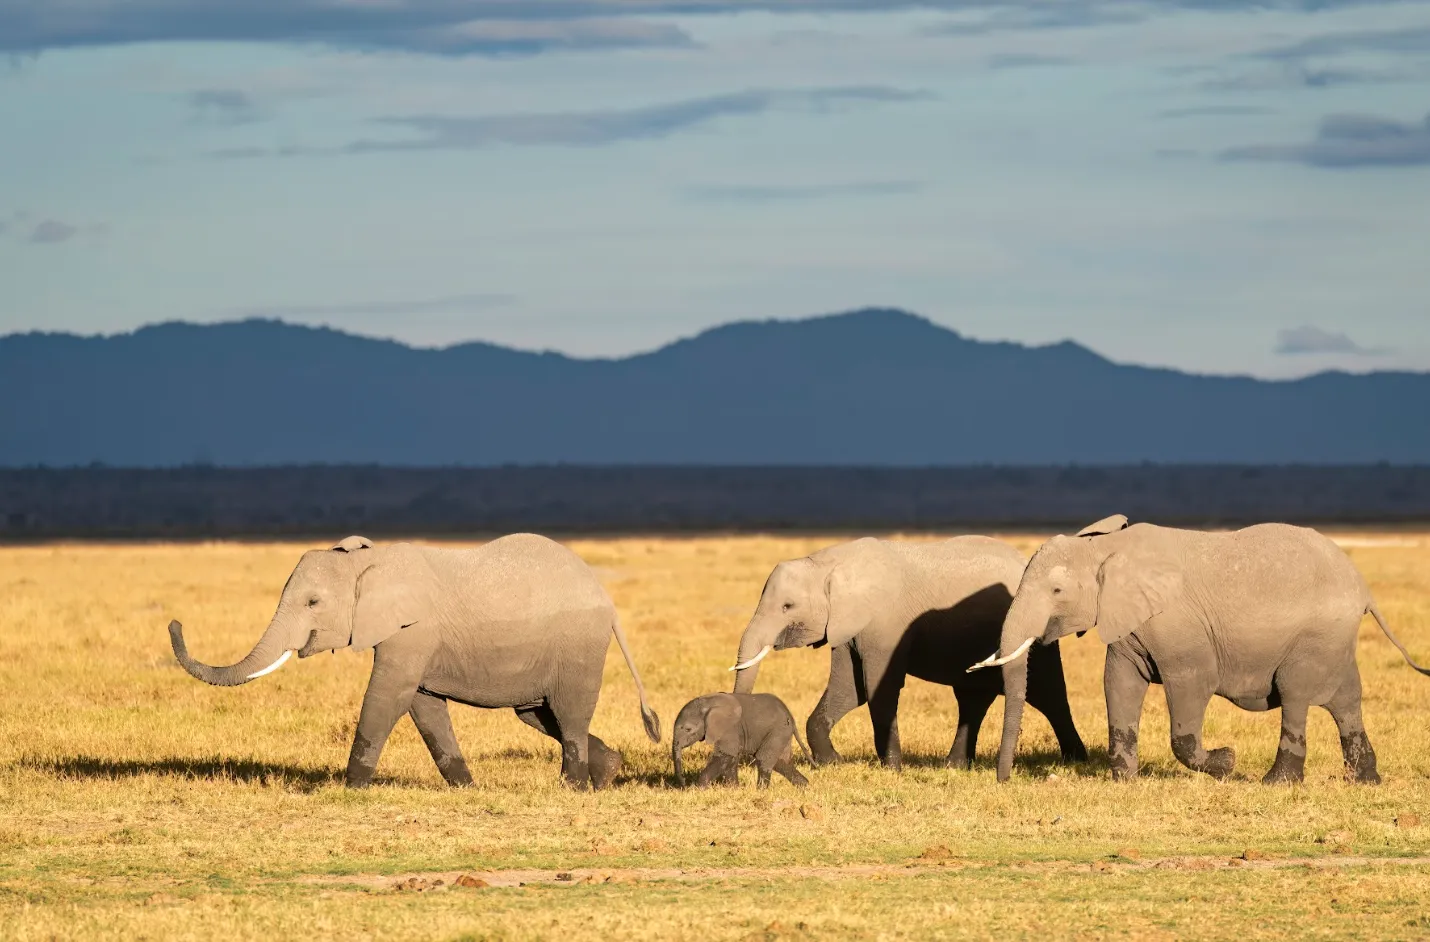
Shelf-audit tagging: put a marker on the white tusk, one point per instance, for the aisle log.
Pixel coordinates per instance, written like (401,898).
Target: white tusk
(993,660)
(272,667)
(754,660)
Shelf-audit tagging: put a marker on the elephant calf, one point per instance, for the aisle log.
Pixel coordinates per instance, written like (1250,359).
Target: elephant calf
(739,726)
(520,622)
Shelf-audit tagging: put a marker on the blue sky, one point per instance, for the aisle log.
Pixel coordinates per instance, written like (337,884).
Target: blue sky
(1212,185)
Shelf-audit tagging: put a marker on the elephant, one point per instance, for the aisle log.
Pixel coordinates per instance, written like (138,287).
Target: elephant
(739,726)
(1265,617)
(888,609)
(519,622)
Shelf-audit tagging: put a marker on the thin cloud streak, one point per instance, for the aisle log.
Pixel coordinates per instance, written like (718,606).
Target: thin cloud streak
(1298,341)
(1348,141)
(785,193)
(52,232)
(508,27)
(594,128)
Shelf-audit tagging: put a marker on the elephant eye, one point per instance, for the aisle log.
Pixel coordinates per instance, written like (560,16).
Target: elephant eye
(313,602)
(1057,590)
(788,606)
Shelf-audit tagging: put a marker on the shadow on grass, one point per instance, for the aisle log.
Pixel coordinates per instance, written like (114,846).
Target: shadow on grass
(295,777)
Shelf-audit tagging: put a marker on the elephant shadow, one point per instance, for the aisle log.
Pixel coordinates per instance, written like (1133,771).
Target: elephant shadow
(292,777)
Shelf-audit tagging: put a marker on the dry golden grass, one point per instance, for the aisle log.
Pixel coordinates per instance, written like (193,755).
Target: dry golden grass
(137,802)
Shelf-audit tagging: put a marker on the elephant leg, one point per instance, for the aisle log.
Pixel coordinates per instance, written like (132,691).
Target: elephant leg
(573,705)
(1290,764)
(1344,708)
(390,692)
(603,761)
(1048,694)
(1124,687)
(884,681)
(842,694)
(1187,709)
(430,715)
(786,768)
(972,707)
(722,770)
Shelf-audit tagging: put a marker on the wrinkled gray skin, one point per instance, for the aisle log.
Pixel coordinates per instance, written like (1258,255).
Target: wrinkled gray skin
(1265,617)
(520,622)
(739,726)
(887,610)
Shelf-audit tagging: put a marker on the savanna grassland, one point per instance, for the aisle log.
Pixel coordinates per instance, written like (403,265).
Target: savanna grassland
(136,802)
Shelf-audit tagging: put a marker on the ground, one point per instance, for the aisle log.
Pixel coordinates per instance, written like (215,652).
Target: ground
(136,802)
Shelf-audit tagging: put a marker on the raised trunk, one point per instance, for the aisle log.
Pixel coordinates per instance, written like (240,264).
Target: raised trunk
(755,639)
(266,654)
(1022,623)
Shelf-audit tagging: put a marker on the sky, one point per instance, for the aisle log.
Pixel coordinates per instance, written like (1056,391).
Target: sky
(1217,186)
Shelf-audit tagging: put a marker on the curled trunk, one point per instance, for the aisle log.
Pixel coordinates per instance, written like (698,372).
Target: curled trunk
(266,654)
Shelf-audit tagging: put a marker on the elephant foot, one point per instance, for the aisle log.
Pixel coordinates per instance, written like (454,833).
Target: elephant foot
(825,757)
(1122,750)
(961,763)
(1283,775)
(1360,759)
(577,776)
(1289,767)
(1220,762)
(604,767)
(1074,753)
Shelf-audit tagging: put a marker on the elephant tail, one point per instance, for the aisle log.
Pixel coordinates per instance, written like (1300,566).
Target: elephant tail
(648,716)
(803,748)
(1372,610)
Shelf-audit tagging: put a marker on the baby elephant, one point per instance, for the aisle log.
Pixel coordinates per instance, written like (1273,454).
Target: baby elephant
(740,726)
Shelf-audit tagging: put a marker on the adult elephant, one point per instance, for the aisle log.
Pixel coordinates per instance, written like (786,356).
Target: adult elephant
(1265,617)
(889,609)
(520,622)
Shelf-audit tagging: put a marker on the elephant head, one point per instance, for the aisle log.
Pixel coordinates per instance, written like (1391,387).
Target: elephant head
(823,599)
(1096,579)
(352,595)
(714,718)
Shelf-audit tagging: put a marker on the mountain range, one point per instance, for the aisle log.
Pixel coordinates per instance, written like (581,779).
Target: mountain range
(868,387)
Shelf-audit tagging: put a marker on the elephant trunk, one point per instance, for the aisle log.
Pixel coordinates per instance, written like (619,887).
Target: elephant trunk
(1021,629)
(271,651)
(676,748)
(755,643)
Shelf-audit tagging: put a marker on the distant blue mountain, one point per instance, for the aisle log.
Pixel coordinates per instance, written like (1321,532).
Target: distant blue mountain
(870,387)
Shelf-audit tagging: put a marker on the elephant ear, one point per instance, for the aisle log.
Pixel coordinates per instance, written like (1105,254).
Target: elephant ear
(382,606)
(852,591)
(1106,525)
(1130,591)
(722,723)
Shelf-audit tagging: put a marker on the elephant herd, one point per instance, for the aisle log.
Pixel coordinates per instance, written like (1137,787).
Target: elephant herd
(1265,617)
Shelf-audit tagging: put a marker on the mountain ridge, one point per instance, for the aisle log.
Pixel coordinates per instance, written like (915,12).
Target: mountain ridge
(874,386)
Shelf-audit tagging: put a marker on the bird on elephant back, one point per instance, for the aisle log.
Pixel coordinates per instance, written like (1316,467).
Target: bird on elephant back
(888,610)
(520,622)
(1265,617)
